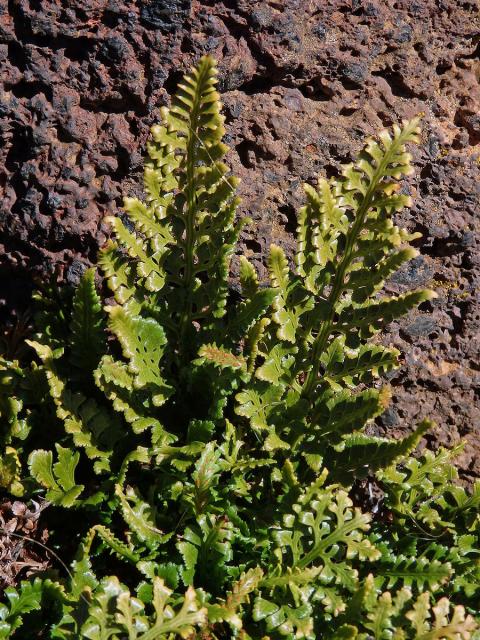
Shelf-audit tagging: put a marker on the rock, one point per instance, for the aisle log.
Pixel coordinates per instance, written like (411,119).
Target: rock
(75,272)
(166,15)
(389,418)
(404,34)
(355,73)
(422,326)
(53,202)
(114,49)
(415,273)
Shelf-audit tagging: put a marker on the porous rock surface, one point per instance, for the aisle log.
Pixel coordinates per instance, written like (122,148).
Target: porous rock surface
(303,83)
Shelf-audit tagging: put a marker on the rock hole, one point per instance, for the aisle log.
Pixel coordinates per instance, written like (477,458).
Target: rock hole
(245,154)
(171,81)
(24,89)
(331,171)
(253,245)
(347,111)
(442,67)
(16,55)
(289,218)
(396,82)
(386,119)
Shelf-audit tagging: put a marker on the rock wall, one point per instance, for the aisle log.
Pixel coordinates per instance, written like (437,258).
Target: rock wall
(303,82)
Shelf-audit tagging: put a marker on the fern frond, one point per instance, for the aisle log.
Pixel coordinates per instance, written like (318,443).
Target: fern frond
(343,366)
(57,478)
(87,325)
(248,278)
(148,263)
(205,477)
(116,546)
(421,573)
(290,302)
(10,468)
(205,209)
(229,611)
(247,313)
(359,454)
(117,383)
(254,337)
(334,531)
(341,413)
(21,601)
(257,403)
(372,316)
(114,610)
(119,272)
(139,517)
(366,198)
(143,342)
(447,624)
(219,357)
(91,427)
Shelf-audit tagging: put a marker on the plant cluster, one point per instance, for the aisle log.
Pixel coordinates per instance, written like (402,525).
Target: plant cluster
(198,452)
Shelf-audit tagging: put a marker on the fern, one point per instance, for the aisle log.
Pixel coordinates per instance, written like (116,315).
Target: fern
(87,325)
(206,447)
(58,478)
(115,613)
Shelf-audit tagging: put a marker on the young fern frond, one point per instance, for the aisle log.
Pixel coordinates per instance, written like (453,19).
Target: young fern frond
(58,478)
(185,233)
(203,205)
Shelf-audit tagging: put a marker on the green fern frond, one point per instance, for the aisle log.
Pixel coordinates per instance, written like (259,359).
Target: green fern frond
(366,197)
(290,303)
(447,624)
(369,318)
(26,599)
(229,611)
(139,517)
(119,548)
(343,366)
(221,358)
(324,530)
(341,413)
(10,468)
(143,342)
(421,573)
(257,403)
(87,325)
(119,272)
(359,454)
(114,610)
(248,313)
(58,478)
(248,278)
(117,383)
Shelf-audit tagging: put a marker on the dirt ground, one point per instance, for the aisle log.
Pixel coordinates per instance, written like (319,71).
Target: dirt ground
(303,82)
